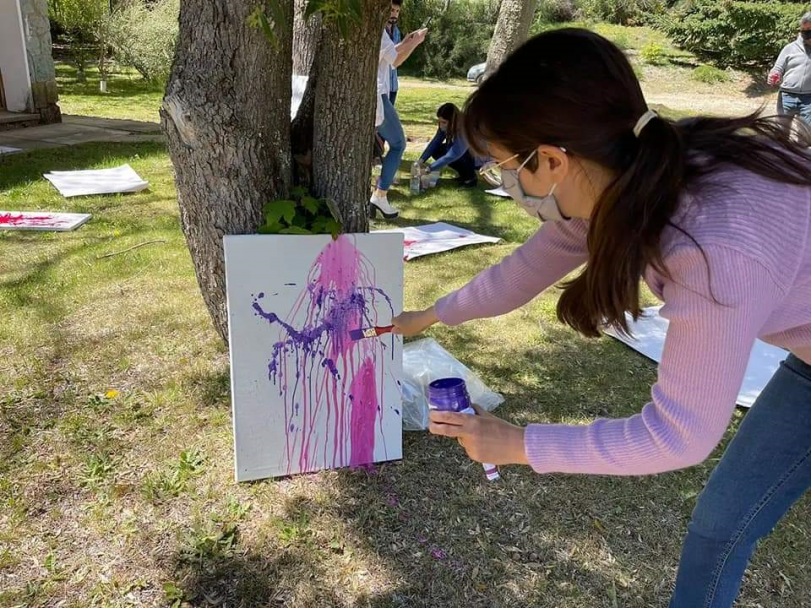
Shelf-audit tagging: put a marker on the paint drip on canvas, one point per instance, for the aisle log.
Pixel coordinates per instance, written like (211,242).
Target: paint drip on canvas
(330,384)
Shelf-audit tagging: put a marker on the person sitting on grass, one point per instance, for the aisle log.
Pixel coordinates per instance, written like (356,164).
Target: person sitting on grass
(449,148)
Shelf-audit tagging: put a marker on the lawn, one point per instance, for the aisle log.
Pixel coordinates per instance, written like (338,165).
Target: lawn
(116,478)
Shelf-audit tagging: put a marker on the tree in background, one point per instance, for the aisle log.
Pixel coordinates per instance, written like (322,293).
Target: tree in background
(84,24)
(512,29)
(226,114)
(143,34)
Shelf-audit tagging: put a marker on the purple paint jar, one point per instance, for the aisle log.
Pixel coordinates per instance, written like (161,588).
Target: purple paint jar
(450,395)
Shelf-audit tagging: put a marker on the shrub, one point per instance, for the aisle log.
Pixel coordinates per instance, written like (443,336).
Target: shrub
(709,74)
(734,34)
(143,34)
(624,12)
(558,11)
(653,54)
(458,37)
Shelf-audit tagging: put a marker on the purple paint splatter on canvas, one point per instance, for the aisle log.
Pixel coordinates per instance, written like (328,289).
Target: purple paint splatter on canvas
(331,385)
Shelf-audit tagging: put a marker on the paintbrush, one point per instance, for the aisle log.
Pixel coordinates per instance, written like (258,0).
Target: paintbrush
(372,332)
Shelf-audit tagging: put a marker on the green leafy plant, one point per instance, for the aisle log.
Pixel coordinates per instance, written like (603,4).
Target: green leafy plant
(300,214)
(653,54)
(96,469)
(162,485)
(174,594)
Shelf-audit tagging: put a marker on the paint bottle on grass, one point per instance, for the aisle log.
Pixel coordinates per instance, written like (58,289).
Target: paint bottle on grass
(415,183)
(450,395)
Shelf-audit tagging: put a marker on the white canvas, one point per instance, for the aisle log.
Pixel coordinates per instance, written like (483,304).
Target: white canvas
(436,238)
(121,179)
(305,395)
(41,220)
(649,334)
(498,192)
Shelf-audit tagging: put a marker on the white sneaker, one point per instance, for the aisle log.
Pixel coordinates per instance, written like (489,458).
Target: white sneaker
(382,205)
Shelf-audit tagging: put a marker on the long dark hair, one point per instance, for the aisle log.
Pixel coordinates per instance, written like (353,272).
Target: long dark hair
(574,89)
(453,115)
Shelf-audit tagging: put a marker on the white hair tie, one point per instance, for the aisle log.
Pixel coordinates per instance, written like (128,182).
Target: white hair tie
(643,121)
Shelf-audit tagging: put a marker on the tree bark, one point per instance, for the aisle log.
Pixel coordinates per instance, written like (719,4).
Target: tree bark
(345,102)
(306,36)
(512,30)
(226,115)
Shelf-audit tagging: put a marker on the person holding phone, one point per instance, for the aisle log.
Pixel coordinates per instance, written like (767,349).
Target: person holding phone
(387,120)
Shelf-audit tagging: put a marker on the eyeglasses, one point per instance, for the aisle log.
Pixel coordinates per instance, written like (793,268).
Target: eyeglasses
(491,169)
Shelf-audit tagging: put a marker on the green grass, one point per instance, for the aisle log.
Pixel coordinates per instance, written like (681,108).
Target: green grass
(128,95)
(709,74)
(116,475)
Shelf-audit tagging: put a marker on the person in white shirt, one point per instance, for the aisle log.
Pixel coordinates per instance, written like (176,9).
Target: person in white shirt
(387,120)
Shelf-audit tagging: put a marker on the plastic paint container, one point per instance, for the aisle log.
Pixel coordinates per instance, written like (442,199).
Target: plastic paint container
(450,395)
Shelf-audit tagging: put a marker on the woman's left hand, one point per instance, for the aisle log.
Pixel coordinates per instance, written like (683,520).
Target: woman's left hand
(484,437)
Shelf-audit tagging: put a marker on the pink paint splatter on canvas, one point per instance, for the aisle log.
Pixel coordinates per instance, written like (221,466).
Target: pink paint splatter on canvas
(10,219)
(331,385)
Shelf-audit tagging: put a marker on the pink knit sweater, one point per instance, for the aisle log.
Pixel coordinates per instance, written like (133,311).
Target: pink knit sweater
(756,235)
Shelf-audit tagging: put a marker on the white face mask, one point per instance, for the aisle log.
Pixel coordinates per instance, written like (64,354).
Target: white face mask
(545,208)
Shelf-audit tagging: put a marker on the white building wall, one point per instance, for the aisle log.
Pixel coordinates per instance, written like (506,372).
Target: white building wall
(13,59)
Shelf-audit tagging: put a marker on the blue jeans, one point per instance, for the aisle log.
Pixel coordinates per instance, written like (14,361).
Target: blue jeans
(797,105)
(765,469)
(392,131)
(393,97)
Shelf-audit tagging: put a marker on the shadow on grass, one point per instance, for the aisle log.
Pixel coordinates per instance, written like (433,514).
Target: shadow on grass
(440,535)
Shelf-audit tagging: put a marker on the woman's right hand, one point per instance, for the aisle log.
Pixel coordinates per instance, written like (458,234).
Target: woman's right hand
(411,323)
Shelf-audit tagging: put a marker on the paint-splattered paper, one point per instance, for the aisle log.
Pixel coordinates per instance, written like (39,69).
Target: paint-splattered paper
(305,395)
(41,220)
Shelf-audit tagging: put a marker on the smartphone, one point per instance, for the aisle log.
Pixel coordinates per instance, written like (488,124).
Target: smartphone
(427,22)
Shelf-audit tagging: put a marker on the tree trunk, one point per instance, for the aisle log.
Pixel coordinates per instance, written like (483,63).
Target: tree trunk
(512,30)
(226,115)
(306,36)
(345,101)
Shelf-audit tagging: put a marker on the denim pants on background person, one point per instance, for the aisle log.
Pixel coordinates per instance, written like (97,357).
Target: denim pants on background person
(796,105)
(765,469)
(392,131)
(393,97)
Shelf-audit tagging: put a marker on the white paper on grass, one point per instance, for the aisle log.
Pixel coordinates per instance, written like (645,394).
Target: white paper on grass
(436,238)
(649,334)
(41,220)
(498,192)
(303,396)
(97,181)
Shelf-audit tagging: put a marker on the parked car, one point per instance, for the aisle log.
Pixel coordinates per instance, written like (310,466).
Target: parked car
(476,73)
